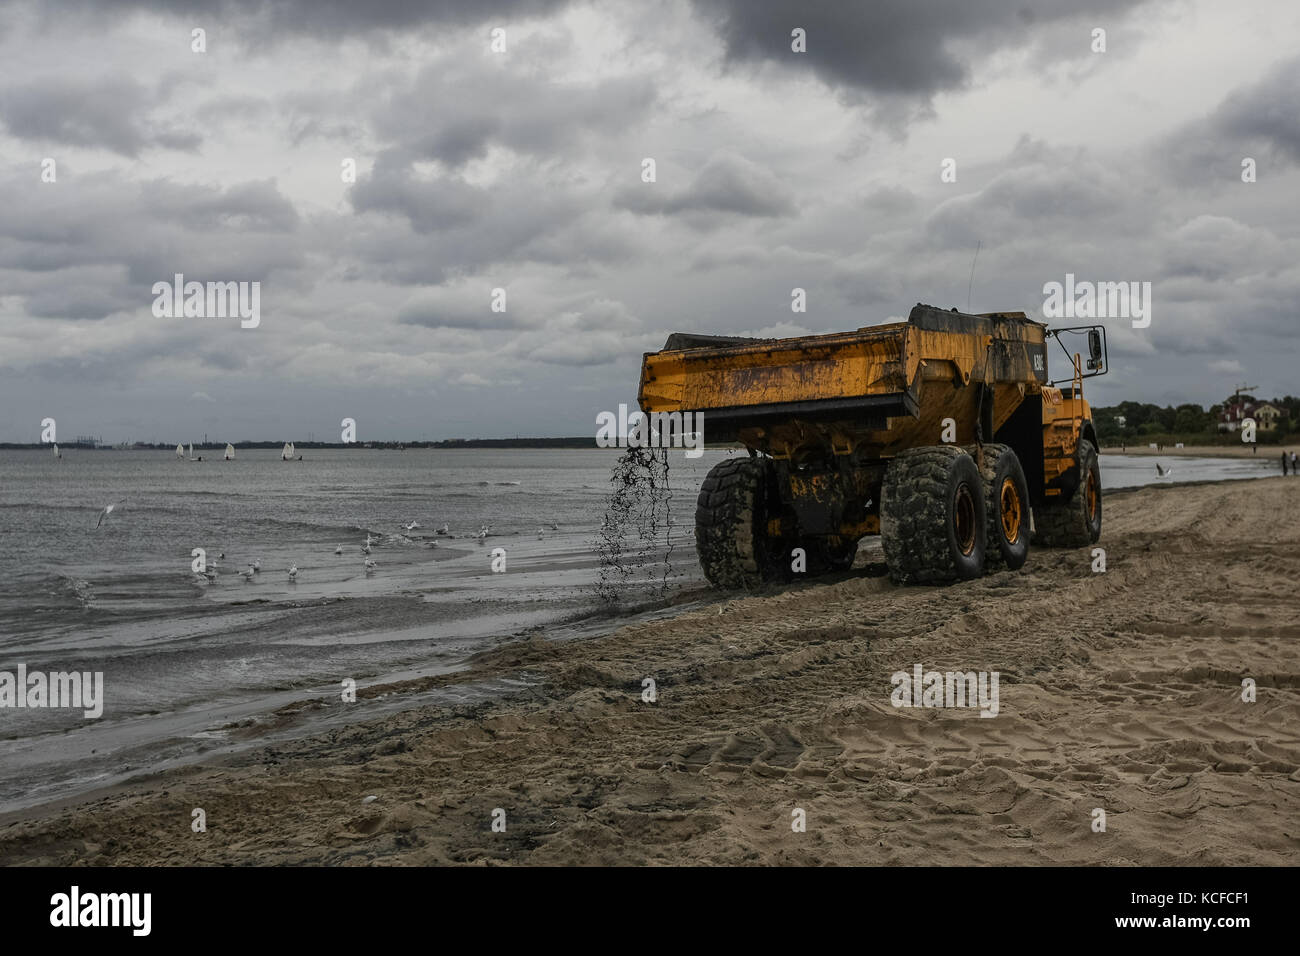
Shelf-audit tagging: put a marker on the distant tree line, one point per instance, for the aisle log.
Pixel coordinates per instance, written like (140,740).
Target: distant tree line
(1187,421)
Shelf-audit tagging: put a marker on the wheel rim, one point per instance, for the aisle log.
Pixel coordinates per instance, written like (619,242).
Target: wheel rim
(964,519)
(1092,494)
(1010,508)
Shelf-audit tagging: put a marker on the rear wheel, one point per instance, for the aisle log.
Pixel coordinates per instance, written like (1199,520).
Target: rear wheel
(731,526)
(933,518)
(1075,523)
(1006,494)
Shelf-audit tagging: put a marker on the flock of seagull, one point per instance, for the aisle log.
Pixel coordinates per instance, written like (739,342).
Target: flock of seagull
(213,568)
(254,568)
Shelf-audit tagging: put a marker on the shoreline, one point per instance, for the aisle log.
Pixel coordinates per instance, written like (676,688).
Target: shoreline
(781,699)
(1205,451)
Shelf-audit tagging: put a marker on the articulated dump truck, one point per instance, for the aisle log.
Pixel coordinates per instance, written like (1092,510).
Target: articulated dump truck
(941,434)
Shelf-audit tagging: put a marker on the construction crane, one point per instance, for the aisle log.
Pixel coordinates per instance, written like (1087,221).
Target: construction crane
(1236,395)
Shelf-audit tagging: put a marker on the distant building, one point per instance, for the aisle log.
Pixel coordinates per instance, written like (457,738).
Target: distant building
(1265,416)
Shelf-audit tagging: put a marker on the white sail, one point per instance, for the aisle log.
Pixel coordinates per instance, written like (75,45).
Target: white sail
(180,451)
(287,453)
(56,452)
(230,452)
(191,449)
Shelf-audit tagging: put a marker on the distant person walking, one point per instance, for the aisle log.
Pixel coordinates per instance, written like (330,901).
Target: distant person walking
(1293,464)
(1283,464)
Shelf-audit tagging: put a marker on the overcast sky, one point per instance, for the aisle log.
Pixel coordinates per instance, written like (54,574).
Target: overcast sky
(523,170)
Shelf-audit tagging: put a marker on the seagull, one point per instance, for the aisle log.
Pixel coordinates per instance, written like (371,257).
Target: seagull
(368,539)
(444,530)
(256,565)
(365,548)
(222,556)
(106,512)
(1163,472)
(339,549)
(483,531)
(293,573)
(412,526)
(541,533)
(554,526)
(248,575)
(370,565)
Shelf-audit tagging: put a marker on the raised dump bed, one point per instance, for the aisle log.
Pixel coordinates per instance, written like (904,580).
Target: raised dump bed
(913,430)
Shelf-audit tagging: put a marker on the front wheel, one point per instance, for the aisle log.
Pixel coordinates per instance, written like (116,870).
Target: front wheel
(1006,494)
(1075,523)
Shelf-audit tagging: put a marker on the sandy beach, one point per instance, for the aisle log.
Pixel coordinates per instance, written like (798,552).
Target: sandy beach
(1240,450)
(1119,691)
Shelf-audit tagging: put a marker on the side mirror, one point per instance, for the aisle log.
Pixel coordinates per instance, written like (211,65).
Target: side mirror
(1094,348)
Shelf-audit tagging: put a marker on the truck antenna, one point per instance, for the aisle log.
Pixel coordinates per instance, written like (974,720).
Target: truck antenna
(972,272)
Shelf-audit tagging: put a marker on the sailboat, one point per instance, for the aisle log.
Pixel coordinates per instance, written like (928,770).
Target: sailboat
(180,452)
(287,453)
(192,458)
(57,453)
(230,452)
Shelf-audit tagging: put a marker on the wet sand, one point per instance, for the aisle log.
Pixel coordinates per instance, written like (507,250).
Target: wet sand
(1119,691)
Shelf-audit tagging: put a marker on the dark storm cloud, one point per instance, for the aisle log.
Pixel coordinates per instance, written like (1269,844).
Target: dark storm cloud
(1257,120)
(89,246)
(1265,112)
(105,113)
(454,110)
(443,313)
(90,293)
(725,184)
(899,48)
(417,230)
(1032,192)
(331,18)
(430,204)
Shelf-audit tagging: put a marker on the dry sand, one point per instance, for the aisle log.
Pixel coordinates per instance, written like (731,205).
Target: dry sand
(1119,691)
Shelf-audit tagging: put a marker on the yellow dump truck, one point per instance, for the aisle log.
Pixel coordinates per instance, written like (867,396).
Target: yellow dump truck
(940,434)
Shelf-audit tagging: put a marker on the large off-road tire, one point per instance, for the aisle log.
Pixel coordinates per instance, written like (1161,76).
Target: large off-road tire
(1075,523)
(1006,494)
(933,521)
(730,526)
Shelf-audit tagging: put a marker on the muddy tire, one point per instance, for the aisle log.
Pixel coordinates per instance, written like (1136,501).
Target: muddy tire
(933,521)
(1077,522)
(730,518)
(1006,494)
